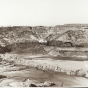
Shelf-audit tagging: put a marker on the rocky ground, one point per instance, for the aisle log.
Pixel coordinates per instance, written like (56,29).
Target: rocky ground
(38,70)
(36,56)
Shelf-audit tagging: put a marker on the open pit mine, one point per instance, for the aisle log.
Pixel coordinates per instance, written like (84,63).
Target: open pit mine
(44,56)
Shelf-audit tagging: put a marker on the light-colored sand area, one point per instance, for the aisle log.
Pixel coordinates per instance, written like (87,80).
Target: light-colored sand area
(19,78)
(78,68)
(17,68)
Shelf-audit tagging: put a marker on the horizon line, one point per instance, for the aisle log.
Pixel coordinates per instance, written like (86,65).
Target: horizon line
(68,24)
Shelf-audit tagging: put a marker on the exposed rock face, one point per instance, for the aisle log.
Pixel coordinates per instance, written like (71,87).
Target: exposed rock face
(65,33)
(27,37)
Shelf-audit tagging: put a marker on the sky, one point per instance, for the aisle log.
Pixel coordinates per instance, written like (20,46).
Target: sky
(43,12)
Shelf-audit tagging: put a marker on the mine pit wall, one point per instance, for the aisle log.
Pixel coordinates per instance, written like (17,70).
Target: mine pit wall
(67,52)
(44,65)
(74,53)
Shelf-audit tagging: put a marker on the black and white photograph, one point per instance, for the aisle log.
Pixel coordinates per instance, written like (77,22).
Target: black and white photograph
(44,43)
